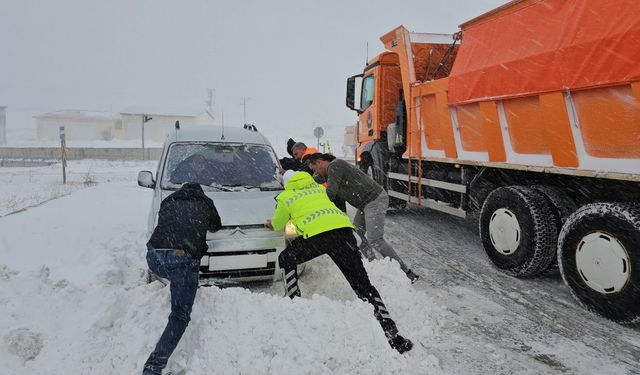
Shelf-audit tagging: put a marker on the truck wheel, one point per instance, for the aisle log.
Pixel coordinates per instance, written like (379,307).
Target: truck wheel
(372,165)
(518,230)
(599,256)
(378,175)
(563,206)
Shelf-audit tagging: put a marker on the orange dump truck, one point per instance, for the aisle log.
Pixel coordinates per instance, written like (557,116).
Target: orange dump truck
(527,121)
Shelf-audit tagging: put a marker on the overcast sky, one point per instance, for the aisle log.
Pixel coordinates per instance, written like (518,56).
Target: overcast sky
(290,58)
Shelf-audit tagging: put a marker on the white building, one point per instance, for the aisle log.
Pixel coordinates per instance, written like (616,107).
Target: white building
(162,121)
(79,125)
(126,125)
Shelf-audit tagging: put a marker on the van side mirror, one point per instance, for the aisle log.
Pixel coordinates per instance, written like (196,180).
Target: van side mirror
(145,179)
(351,93)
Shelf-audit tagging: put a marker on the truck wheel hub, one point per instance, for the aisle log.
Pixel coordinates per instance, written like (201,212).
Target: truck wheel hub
(603,263)
(504,231)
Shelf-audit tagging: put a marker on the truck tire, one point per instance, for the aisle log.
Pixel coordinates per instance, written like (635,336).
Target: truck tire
(375,172)
(599,257)
(373,165)
(397,165)
(563,206)
(518,230)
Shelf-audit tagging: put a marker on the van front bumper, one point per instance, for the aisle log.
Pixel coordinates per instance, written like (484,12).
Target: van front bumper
(242,254)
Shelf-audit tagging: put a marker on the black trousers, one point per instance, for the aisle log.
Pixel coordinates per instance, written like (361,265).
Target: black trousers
(341,246)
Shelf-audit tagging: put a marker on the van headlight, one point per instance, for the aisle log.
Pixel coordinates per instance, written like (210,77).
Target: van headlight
(290,230)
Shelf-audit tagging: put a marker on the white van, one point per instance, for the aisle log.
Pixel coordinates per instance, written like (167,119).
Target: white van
(238,169)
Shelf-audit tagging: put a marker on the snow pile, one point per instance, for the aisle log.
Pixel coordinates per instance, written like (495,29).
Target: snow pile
(108,327)
(101,328)
(23,343)
(73,299)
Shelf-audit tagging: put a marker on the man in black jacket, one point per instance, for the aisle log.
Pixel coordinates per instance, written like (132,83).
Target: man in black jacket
(174,251)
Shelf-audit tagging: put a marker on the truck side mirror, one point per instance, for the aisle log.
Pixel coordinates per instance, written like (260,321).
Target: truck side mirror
(351,93)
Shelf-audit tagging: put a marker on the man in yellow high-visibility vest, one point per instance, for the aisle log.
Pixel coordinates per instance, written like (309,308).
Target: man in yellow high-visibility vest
(324,229)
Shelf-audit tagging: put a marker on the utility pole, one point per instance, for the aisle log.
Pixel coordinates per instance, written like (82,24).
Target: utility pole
(63,148)
(210,103)
(244,109)
(222,126)
(145,119)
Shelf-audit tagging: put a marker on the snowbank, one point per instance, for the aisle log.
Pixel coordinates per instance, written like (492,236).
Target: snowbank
(73,299)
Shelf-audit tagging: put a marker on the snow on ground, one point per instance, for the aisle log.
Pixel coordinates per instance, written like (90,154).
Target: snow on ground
(73,300)
(29,186)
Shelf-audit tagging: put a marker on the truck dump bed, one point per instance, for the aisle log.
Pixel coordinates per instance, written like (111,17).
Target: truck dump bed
(548,85)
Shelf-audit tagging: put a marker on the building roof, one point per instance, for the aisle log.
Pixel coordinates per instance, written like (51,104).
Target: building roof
(151,111)
(76,114)
(215,134)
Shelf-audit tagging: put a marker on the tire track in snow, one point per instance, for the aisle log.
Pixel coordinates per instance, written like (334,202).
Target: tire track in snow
(454,248)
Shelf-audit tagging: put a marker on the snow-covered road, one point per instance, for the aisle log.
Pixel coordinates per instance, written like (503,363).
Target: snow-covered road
(73,300)
(499,324)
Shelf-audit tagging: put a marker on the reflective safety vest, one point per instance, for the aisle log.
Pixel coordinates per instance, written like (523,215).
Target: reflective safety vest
(307,205)
(309,151)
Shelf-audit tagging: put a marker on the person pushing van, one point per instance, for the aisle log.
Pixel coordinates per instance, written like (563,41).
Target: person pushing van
(347,182)
(174,251)
(324,229)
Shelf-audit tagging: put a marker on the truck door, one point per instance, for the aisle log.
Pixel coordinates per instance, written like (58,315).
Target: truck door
(367,125)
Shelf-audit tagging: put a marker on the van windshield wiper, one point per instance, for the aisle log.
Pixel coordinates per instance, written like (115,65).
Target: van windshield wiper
(271,188)
(218,187)
(262,188)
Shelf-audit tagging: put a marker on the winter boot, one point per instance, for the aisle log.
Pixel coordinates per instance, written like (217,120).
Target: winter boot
(412,276)
(399,343)
(290,280)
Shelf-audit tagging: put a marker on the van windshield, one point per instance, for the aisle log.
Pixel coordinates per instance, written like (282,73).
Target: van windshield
(221,167)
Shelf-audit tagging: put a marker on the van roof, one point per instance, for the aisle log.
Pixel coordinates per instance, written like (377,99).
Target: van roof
(214,134)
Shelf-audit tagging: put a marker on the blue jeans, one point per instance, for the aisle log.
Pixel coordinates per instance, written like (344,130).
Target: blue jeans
(182,273)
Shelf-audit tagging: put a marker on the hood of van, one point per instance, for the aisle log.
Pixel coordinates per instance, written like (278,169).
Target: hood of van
(244,207)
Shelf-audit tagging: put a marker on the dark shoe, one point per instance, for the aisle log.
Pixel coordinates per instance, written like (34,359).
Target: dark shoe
(367,254)
(400,344)
(412,276)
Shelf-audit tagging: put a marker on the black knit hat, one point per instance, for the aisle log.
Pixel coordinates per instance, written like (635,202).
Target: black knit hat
(290,144)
